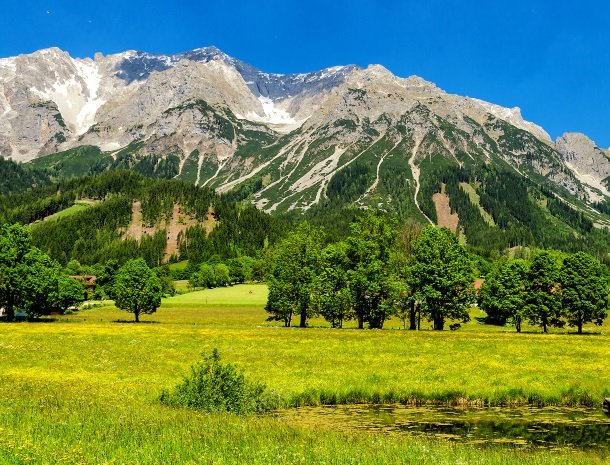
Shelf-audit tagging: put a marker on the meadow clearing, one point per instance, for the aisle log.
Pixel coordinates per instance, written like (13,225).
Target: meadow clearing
(84,388)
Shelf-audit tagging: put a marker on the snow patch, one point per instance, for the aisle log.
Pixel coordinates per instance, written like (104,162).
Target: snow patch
(92,78)
(76,98)
(273,115)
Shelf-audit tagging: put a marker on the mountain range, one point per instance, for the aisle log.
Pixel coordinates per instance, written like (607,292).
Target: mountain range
(344,135)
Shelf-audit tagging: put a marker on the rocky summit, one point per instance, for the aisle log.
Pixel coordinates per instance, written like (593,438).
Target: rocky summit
(285,142)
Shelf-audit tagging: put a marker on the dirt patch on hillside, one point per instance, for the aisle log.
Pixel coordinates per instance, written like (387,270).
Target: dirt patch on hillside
(176,227)
(136,228)
(443,210)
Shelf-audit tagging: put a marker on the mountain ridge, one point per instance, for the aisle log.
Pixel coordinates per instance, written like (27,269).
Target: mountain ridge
(344,135)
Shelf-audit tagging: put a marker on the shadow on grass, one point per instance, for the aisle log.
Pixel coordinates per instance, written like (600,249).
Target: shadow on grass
(575,333)
(136,322)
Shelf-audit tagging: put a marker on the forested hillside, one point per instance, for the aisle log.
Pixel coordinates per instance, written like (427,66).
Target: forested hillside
(15,177)
(209,224)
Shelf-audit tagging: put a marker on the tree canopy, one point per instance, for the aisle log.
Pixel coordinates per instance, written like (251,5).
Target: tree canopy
(583,286)
(296,262)
(137,288)
(441,276)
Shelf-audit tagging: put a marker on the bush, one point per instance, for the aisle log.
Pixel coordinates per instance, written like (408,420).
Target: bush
(213,386)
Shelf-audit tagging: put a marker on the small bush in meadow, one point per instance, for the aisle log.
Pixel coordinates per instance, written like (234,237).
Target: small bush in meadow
(213,386)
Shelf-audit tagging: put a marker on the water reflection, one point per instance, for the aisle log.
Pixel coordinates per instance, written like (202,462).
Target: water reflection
(549,427)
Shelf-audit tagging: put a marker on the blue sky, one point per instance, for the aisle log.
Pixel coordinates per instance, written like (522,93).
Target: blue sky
(551,58)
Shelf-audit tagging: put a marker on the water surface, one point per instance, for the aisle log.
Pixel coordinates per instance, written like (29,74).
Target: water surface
(533,427)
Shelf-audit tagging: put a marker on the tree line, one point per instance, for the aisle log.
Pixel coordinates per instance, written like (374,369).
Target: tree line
(381,271)
(548,291)
(377,272)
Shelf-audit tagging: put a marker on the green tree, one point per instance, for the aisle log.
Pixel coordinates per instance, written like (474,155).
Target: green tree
(39,281)
(237,270)
(15,244)
(331,293)
(69,292)
(137,288)
(502,295)
(584,290)
(295,264)
(207,276)
(370,276)
(406,305)
(74,268)
(441,276)
(543,306)
(222,275)
(104,282)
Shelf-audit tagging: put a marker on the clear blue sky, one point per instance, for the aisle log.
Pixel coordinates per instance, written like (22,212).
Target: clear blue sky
(551,58)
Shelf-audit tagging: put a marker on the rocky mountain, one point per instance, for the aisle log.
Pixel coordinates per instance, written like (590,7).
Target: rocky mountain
(343,135)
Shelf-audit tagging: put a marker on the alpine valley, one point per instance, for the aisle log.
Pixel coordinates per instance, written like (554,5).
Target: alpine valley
(312,144)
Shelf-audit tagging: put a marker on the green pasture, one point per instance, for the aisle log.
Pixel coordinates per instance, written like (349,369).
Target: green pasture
(83,389)
(78,207)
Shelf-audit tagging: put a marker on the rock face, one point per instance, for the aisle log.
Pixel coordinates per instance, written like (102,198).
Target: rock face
(590,163)
(286,141)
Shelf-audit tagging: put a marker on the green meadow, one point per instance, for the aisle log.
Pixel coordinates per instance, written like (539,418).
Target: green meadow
(83,389)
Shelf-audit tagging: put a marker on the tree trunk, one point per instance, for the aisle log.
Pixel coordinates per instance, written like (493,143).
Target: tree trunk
(360,322)
(518,325)
(412,317)
(439,321)
(418,317)
(303,323)
(10,310)
(580,327)
(137,314)
(544,326)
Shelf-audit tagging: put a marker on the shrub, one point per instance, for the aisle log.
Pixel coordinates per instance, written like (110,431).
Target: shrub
(212,386)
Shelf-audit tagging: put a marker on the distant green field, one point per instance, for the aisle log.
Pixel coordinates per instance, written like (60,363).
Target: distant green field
(83,389)
(78,206)
(179,265)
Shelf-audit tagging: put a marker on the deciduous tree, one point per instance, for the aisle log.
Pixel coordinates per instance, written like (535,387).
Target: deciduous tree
(295,264)
(15,243)
(584,290)
(502,295)
(543,306)
(137,288)
(441,276)
(331,293)
(370,276)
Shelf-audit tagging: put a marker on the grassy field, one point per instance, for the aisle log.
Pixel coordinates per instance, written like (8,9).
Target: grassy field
(78,206)
(84,389)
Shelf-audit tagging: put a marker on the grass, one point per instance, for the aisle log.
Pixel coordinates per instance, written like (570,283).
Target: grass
(179,265)
(84,389)
(78,207)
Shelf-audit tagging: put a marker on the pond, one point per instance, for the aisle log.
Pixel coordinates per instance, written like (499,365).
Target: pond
(528,427)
